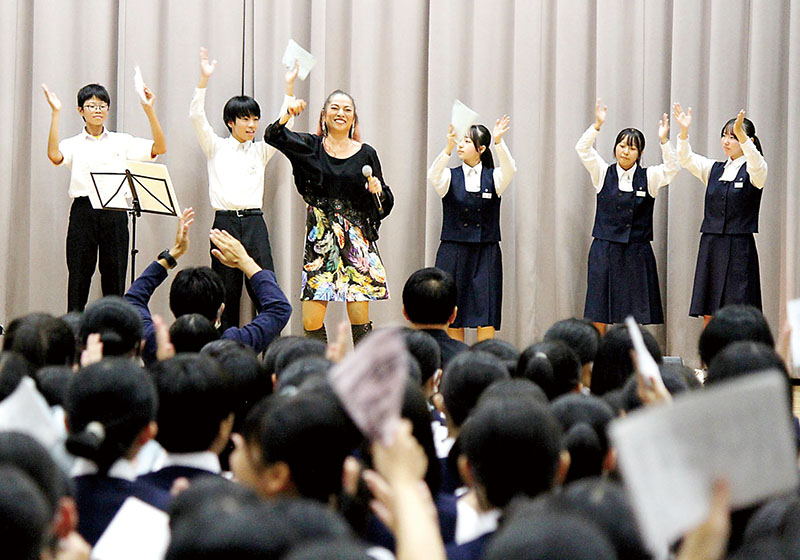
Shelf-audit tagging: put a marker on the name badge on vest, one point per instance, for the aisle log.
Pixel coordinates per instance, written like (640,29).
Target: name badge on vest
(486,195)
(738,185)
(641,194)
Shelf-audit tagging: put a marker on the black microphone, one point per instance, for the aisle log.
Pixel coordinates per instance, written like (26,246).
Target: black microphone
(366,171)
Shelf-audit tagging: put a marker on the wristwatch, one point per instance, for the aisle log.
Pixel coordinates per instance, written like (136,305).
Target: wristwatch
(171,262)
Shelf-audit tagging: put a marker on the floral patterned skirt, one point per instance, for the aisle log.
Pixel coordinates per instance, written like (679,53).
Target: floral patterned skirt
(339,263)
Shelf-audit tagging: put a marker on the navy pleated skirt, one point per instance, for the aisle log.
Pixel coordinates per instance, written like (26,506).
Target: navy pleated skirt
(622,280)
(727,273)
(478,272)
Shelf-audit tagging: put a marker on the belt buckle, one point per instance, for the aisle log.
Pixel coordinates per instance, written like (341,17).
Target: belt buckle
(240,213)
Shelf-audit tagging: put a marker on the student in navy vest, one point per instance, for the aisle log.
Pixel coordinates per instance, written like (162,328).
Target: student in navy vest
(727,263)
(622,278)
(470,240)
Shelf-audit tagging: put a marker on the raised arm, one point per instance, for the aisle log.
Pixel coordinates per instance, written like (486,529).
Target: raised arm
(592,161)
(159,141)
(503,175)
(663,174)
(438,173)
(197,113)
(756,164)
(697,165)
(53,153)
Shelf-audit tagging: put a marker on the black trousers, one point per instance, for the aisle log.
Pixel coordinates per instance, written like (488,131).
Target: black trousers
(92,233)
(247,226)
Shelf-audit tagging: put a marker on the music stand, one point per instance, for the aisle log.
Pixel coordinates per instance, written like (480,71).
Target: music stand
(141,187)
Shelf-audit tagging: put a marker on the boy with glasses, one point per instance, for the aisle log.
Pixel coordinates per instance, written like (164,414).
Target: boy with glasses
(97,232)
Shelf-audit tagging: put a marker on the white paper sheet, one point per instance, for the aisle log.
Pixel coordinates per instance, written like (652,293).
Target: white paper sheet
(139,531)
(305,58)
(25,410)
(793,315)
(670,455)
(462,117)
(647,365)
(138,83)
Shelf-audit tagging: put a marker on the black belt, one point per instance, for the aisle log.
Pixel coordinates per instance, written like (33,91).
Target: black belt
(241,213)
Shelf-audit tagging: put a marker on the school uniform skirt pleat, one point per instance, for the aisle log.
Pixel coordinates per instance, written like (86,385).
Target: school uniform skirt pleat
(727,273)
(622,280)
(478,272)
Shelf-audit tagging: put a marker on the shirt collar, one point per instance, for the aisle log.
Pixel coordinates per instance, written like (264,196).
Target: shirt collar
(241,146)
(735,163)
(122,468)
(629,173)
(203,460)
(467,169)
(88,136)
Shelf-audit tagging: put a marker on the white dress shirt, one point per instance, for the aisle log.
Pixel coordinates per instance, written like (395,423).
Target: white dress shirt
(84,153)
(700,166)
(657,175)
(439,173)
(235,169)
(121,468)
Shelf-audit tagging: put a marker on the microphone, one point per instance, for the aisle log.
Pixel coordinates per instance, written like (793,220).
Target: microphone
(366,171)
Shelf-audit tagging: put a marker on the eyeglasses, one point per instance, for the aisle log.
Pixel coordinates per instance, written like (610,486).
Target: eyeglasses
(91,107)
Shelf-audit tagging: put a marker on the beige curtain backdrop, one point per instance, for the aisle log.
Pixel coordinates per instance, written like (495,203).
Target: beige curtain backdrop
(541,61)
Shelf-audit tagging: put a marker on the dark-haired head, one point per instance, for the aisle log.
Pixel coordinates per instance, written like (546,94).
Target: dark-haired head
(93,90)
(512,447)
(579,334)
(240,107)
(24,515)
(195,396)
(429,297)
(42,339)
(118,324)
(584,419)
(301,370)
(322,550)
(465,378)
(53,383)
(480,137)
(632,137)
(508,388)
(749,130)
(111,409)
(197,290)
(505,351)
(424,348)
(13,369)
(613,365)
(564,373)
(730,324)
(297,348)
(189,333)
(339,99)
(275,347)
(670,375)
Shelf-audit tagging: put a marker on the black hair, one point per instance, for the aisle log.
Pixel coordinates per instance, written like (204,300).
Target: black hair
(322,550)
(53,383)
(195,395)
(778,518)
(513,446)
(507,388)
(13,369)
(206,493)
(549,536)
(613,364)
(296,348)
(480,136)
(429,296)
(632,137)
(274,348)
(108,405)
(504,350)
(310,432)
(24,515)
(579,334)
(749,130)
(426,350)
(465,377)
(30,456)
(250,380)
(584,419)
(730,324)
(299,371)
(564,373)
(264,530)
(322,129)
(415,408)
(189,333)
(197,290)
(240,107)
(43,340)
(117,322)
(93,90)
(671,377)
(616,400)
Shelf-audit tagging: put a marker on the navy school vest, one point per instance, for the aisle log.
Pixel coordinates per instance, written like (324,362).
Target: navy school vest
(471,217)
(731,206)
(624,217)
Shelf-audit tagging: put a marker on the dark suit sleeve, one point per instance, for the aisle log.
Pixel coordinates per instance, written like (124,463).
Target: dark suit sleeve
(275,313)
(139,295)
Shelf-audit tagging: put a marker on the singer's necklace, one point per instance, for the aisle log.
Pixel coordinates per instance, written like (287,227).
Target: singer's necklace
(329,148)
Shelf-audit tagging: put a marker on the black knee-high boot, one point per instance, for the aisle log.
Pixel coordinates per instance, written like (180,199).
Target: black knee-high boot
(360,331)
(318,334)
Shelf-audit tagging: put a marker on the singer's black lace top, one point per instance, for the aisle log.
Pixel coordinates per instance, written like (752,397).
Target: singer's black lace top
(341,260)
